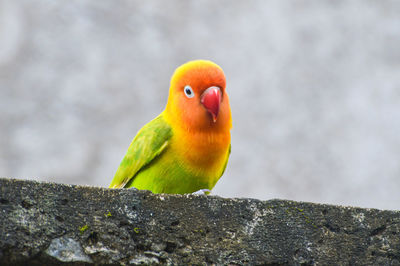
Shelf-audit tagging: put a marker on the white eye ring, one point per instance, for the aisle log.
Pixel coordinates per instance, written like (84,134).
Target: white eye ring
(188,91)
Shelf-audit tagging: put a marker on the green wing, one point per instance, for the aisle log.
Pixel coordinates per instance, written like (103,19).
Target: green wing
(149,142)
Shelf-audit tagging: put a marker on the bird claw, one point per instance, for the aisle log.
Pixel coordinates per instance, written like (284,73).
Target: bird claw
(203,191)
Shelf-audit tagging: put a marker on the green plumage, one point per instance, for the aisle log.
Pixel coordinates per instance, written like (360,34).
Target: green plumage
(151,164)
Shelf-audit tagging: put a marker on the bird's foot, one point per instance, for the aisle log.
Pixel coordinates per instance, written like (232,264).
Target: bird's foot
(203,191)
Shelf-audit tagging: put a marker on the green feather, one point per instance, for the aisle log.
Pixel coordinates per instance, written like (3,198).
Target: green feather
(151,163)
(149,142)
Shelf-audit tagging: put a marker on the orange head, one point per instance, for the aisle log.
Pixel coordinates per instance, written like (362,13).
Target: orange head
(197,97)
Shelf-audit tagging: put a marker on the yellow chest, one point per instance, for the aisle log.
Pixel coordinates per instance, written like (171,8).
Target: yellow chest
(203,153)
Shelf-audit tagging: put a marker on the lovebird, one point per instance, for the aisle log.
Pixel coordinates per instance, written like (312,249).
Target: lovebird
(186,148)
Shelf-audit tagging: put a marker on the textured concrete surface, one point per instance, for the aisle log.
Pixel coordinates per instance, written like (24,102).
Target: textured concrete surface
(50,224)
(314,88)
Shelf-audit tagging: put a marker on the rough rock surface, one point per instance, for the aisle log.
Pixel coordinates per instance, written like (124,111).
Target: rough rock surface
(50,224)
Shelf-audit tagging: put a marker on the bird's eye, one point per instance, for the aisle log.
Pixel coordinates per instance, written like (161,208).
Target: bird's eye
(188,91)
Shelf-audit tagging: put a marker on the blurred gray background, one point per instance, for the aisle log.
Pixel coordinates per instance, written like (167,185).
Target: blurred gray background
(314,89)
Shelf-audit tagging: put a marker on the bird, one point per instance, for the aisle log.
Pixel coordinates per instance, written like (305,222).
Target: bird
(185,149)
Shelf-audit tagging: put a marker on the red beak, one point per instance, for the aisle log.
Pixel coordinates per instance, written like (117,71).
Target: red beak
(211,99)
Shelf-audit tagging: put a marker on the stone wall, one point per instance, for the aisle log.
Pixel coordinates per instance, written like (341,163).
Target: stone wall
(50,224)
